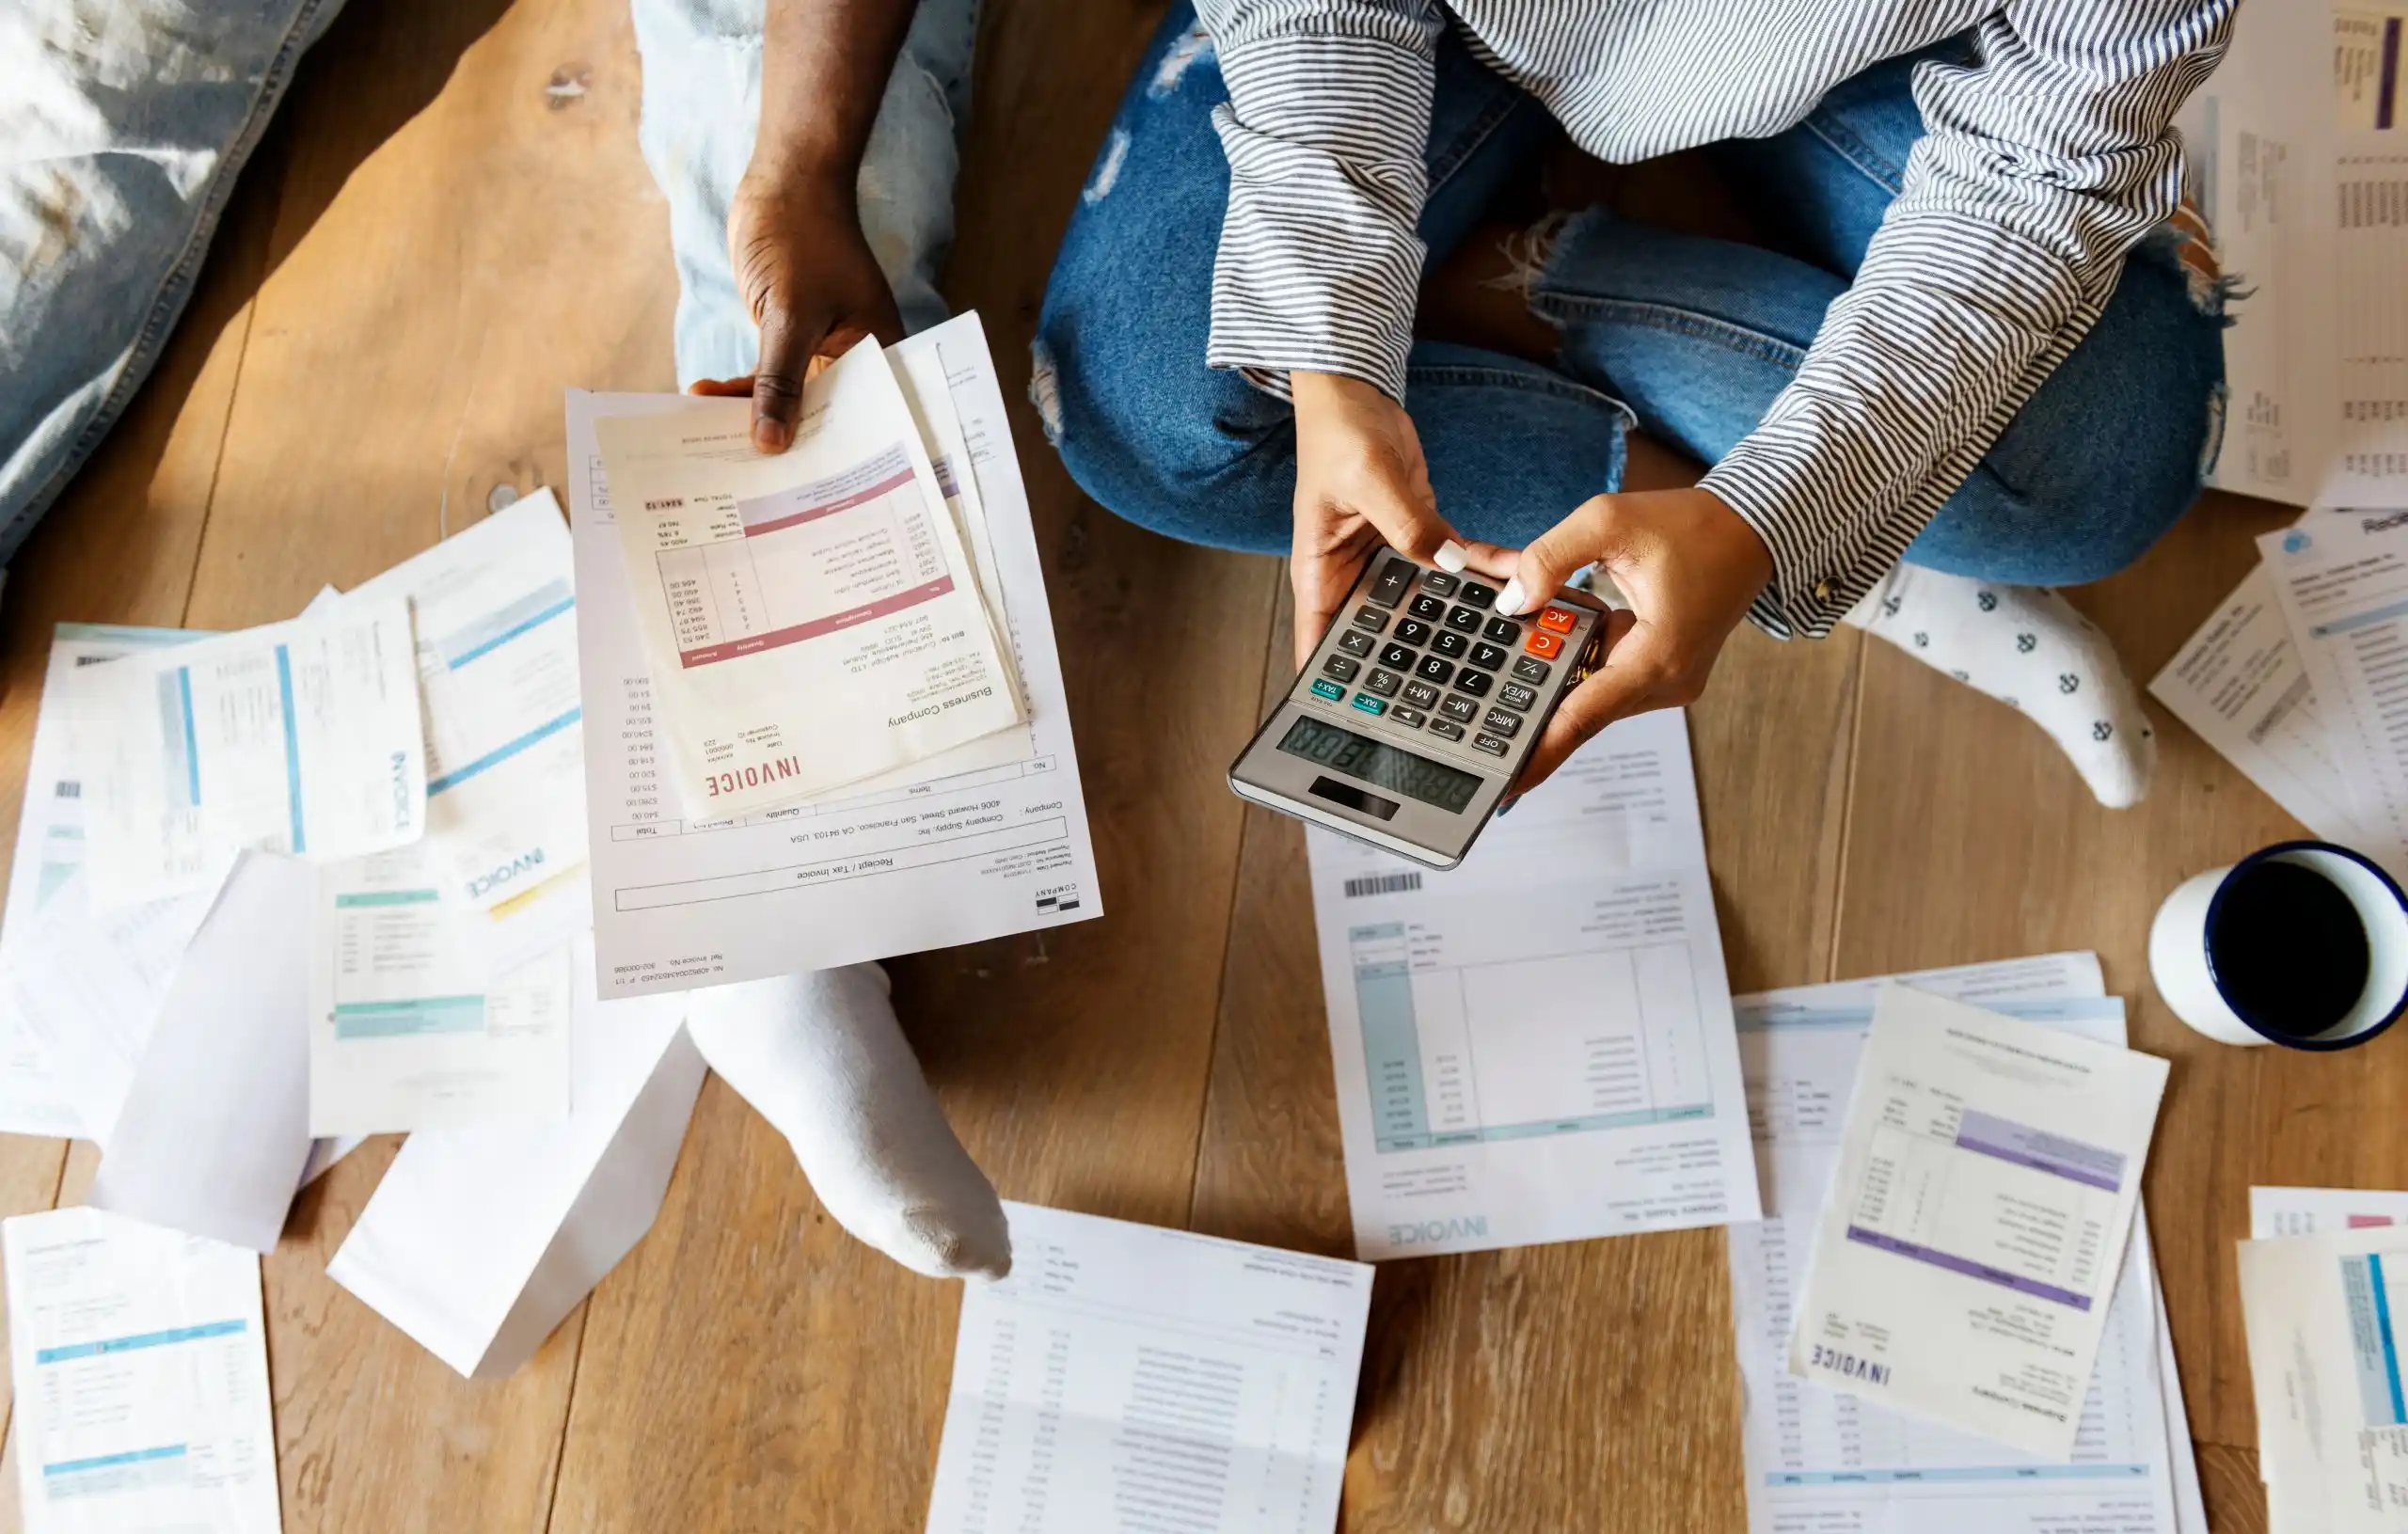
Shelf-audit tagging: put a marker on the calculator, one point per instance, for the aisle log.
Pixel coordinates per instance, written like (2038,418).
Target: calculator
(1418,709)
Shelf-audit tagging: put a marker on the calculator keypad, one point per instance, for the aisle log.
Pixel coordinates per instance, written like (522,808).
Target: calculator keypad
(1439,669)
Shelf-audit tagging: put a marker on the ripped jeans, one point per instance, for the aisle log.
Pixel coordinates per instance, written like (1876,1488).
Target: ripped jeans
(122,129)
(1685,338)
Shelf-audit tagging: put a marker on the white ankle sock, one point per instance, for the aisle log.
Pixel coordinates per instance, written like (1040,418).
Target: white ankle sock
(2027,647)
(822,1058)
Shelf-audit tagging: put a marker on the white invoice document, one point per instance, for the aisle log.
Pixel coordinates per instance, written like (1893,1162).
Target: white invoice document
(2318,1212)
(1537,1046)
(300,737)
(2302,183)
(812,616)
(973,848)
(140,1366)
(1819,1459)
(2239,683)
(2341,577)
(1127,1377)
(494,612)
(408,1030)
(2324,1315)
(1984,1197)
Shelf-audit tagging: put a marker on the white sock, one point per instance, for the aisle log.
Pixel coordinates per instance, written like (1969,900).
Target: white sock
(2027,647)
(823,1059)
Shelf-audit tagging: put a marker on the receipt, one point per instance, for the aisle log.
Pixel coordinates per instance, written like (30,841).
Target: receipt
(300,737)
(140,1365)
(406,1031)
(1984,1196)
(812,616)
(2342,580)
(494,610)
(2322,1315)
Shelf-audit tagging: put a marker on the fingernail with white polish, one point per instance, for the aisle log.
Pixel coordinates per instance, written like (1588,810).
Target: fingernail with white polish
(1510,600)
(1450,557)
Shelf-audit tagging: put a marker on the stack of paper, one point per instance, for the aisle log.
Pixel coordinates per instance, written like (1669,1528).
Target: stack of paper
(2288,678)
(694,883)
(2297,157)
(2323,1282)
(1537,1046)
(1819,1455)
(1133,1378)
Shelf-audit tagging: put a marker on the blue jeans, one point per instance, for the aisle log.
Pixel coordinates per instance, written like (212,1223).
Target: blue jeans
(120,145)
(1685,338)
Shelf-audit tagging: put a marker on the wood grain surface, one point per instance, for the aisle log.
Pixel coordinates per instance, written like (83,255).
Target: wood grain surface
(447,226)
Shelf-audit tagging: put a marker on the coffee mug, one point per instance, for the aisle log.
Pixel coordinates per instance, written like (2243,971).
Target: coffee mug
(2302,944)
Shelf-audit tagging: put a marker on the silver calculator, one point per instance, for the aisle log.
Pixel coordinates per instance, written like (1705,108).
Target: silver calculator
(1417,710)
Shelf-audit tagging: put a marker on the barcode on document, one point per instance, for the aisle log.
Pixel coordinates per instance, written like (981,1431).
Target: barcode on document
(1382,884)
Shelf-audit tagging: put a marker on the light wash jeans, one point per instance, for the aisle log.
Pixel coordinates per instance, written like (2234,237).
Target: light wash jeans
(1685,337)
(122,127)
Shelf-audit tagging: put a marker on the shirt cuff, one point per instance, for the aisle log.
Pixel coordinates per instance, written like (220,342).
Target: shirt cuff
(1822,561)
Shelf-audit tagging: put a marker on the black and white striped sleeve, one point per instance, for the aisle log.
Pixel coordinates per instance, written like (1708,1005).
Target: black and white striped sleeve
(2043,163)
(1325,127)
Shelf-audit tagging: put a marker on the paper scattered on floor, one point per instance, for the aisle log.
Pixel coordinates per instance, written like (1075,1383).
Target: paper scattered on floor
(1818,1458)
(215,1130)
(2318,1211)
(140,1365)
(810,617)
(300,737)
(479,1240)
(987,840)
(1537,1046)
(1126,1376)
(1987,1179)
(2325,1338)
(407,1028)
(494,612)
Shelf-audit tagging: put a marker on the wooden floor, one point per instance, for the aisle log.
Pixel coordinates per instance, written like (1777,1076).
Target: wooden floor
(447,226)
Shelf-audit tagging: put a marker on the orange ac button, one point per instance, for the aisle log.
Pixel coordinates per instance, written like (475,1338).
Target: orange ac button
(1556,620)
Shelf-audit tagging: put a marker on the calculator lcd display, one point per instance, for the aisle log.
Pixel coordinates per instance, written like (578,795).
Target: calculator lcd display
(1399,771)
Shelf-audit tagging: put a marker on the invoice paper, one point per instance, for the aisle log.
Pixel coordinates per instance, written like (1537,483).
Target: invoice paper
(1537,1045)
(480,1241)
(976,848)
(2304,192)
(494,610)
(1130,1376)
(300,737)
(407,1029)
(811,616)
(82,993)
(34,1098)
(1817,1459)
(2239,683)
(1978,1215)
(2317,1211)
(2325,1338)
(140,1359)
(2342,579)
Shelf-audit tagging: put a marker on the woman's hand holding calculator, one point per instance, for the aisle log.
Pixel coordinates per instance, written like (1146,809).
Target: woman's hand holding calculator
(1361,482)
(1688,565)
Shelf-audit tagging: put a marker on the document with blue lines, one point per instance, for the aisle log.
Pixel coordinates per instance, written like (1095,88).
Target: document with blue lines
(140,1368)
(1537,1046)
(1818,1459)
(299,737)
(495,612)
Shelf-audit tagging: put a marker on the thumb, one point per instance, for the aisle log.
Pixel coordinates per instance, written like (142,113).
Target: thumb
(1552,558)
(788,341)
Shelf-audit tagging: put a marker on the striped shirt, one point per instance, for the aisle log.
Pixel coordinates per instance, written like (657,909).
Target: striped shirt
(2042,164)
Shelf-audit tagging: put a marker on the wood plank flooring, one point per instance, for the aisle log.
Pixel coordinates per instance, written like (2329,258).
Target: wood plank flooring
(448,224)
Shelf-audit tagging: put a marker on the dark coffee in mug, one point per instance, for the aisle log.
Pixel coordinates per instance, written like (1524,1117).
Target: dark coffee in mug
(2289,949)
